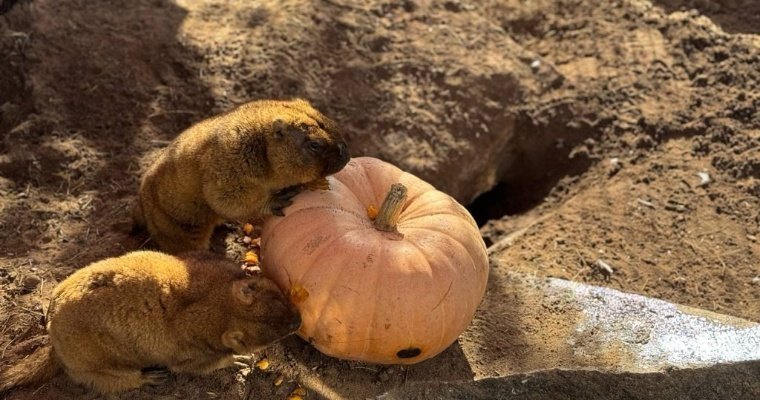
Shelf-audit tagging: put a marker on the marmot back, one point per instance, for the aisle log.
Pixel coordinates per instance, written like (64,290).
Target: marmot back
(244,164)
(123,322)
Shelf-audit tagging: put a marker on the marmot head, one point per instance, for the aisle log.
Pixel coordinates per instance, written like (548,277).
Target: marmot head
(296,142)
(313,149)
(259,315)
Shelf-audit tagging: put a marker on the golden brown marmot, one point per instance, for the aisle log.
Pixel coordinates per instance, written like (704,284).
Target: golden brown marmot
(124,322)
(244,164)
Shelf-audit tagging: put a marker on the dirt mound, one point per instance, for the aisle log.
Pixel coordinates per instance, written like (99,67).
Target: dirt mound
(669,103)
(433,88)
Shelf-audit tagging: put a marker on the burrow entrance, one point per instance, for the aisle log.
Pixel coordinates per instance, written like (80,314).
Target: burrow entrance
(540,156)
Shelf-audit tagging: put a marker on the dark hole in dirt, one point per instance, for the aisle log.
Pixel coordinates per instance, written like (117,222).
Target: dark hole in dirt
(5,5)
(519,195)
(543,154)
(504,199)
(409,353)
(734,16)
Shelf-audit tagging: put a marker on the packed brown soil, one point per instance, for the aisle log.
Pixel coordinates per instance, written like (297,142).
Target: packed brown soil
(647,98)
(670,200)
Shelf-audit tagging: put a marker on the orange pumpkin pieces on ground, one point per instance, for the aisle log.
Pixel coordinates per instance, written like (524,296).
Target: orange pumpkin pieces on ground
(394,297)
(247,228)
(251,257)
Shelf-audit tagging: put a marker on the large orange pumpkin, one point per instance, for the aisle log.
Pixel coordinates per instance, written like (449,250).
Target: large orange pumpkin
(393,296)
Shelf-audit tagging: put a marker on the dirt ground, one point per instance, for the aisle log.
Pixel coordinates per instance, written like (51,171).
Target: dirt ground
(663,100)
(652,102)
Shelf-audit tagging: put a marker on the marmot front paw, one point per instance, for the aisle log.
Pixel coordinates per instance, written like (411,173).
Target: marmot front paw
(283,198)
(154,376)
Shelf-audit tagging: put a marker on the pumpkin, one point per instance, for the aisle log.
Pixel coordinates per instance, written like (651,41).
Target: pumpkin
(398,289)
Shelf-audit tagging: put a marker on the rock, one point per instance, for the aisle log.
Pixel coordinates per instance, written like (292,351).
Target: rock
(615,166)
(384,376)
(30,282)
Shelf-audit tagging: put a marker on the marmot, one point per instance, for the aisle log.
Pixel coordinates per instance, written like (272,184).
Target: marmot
(245,164)
(123,322)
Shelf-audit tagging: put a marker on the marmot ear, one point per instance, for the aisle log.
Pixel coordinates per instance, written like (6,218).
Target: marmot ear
(278,128)
(243,291)
(233,340)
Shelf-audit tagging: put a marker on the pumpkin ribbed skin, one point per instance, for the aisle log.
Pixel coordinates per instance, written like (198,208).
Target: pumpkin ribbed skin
(364,294)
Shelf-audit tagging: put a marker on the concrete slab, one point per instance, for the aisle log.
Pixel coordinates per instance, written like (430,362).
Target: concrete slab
(527,323)
(721,382)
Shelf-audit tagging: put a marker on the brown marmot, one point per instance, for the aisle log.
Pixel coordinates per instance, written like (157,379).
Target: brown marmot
(244,164)
(123,322)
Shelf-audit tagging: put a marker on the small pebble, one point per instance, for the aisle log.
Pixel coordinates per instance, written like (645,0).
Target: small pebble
(605,268)
(252,269)
(247,239)
(615,166)
(704,178)
(752,238)
(385,376)
(278,381)
(645,203)
(30,282)
(675,207)
(536,64)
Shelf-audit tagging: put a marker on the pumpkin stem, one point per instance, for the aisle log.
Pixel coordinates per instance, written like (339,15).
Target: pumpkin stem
(387,217)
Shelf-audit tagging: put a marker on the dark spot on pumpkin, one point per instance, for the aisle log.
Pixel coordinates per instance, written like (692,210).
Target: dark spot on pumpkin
(409,353)
(313,244)
(387,326)
(369,260)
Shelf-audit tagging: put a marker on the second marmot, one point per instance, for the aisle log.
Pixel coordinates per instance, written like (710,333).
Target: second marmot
(244,164)
(127,321)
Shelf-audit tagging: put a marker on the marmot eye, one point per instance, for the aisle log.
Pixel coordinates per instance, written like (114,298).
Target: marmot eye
(315,146)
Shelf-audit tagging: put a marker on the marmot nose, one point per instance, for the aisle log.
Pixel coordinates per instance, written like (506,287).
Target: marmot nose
(343,151)
(337,163)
